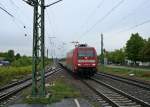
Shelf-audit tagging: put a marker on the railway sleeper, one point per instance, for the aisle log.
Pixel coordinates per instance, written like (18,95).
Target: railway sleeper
(114,97)
(108,106)
(99,99)
(125,101)
(112,94)
(105,104)
(120,99)
(129,104)
(132,106)
(102,101)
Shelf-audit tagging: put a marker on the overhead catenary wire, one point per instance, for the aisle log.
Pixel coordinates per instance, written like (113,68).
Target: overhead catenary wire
(50,23)
(15,20)
(94,11)
(52,45)
(22,27)
(104,17)
(13,3)
(25,27)
(91,14)
(137,25)
(131,13)
(12,16)
(54,25)
(7,12)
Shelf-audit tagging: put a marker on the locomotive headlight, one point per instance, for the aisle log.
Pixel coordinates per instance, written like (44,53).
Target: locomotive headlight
(79,64)
(93,64)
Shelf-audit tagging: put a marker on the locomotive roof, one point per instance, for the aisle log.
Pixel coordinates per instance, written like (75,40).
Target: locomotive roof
(76,48)
(84,47)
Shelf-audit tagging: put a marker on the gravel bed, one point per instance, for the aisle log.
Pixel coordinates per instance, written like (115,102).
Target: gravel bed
(85,92)
(18,98)
(130,89)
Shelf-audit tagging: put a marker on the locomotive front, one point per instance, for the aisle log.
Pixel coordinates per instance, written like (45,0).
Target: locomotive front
(86,61)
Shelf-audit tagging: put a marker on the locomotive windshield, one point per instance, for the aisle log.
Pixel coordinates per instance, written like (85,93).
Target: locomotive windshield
(86,53)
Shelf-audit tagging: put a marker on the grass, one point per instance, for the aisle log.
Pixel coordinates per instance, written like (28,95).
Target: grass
(38,100)
(145,75)
(8,74)
(59,90)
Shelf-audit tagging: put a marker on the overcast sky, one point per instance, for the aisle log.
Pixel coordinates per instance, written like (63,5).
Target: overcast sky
(75,20)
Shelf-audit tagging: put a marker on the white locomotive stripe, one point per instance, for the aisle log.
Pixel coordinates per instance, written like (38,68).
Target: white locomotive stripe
(86,60)
(77,102)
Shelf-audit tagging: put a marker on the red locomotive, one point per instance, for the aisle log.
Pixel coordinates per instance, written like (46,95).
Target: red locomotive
(82,60)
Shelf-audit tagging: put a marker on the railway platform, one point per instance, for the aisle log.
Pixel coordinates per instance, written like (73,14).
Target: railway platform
(64,103)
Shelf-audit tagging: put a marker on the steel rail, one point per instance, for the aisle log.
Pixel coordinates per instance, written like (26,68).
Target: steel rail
(138,101)
(18,82)
(100,94)
(137,83)
(12,90)
(113,102)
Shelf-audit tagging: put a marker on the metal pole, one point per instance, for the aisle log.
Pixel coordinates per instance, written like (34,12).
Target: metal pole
(102,49)
(42,47)
(34,55)
(38,54)
(47,53)
(102,54)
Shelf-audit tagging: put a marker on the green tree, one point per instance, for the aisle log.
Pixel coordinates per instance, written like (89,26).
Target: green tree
(110,56)
(145,52)
(17,56)
(133,47)
(10,55)
(117,56)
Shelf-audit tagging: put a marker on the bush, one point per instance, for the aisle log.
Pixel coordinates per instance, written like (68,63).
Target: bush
(24,61)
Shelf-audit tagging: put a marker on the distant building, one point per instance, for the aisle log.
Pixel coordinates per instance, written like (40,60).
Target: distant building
(144,64)
(128,62)
(139,63)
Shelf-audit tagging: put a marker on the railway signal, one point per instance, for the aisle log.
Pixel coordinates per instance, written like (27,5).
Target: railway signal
(38,46)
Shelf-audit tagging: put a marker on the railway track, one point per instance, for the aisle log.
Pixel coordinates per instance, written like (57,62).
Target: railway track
(109,96)
(135,88)
(10,90)
(134,82)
